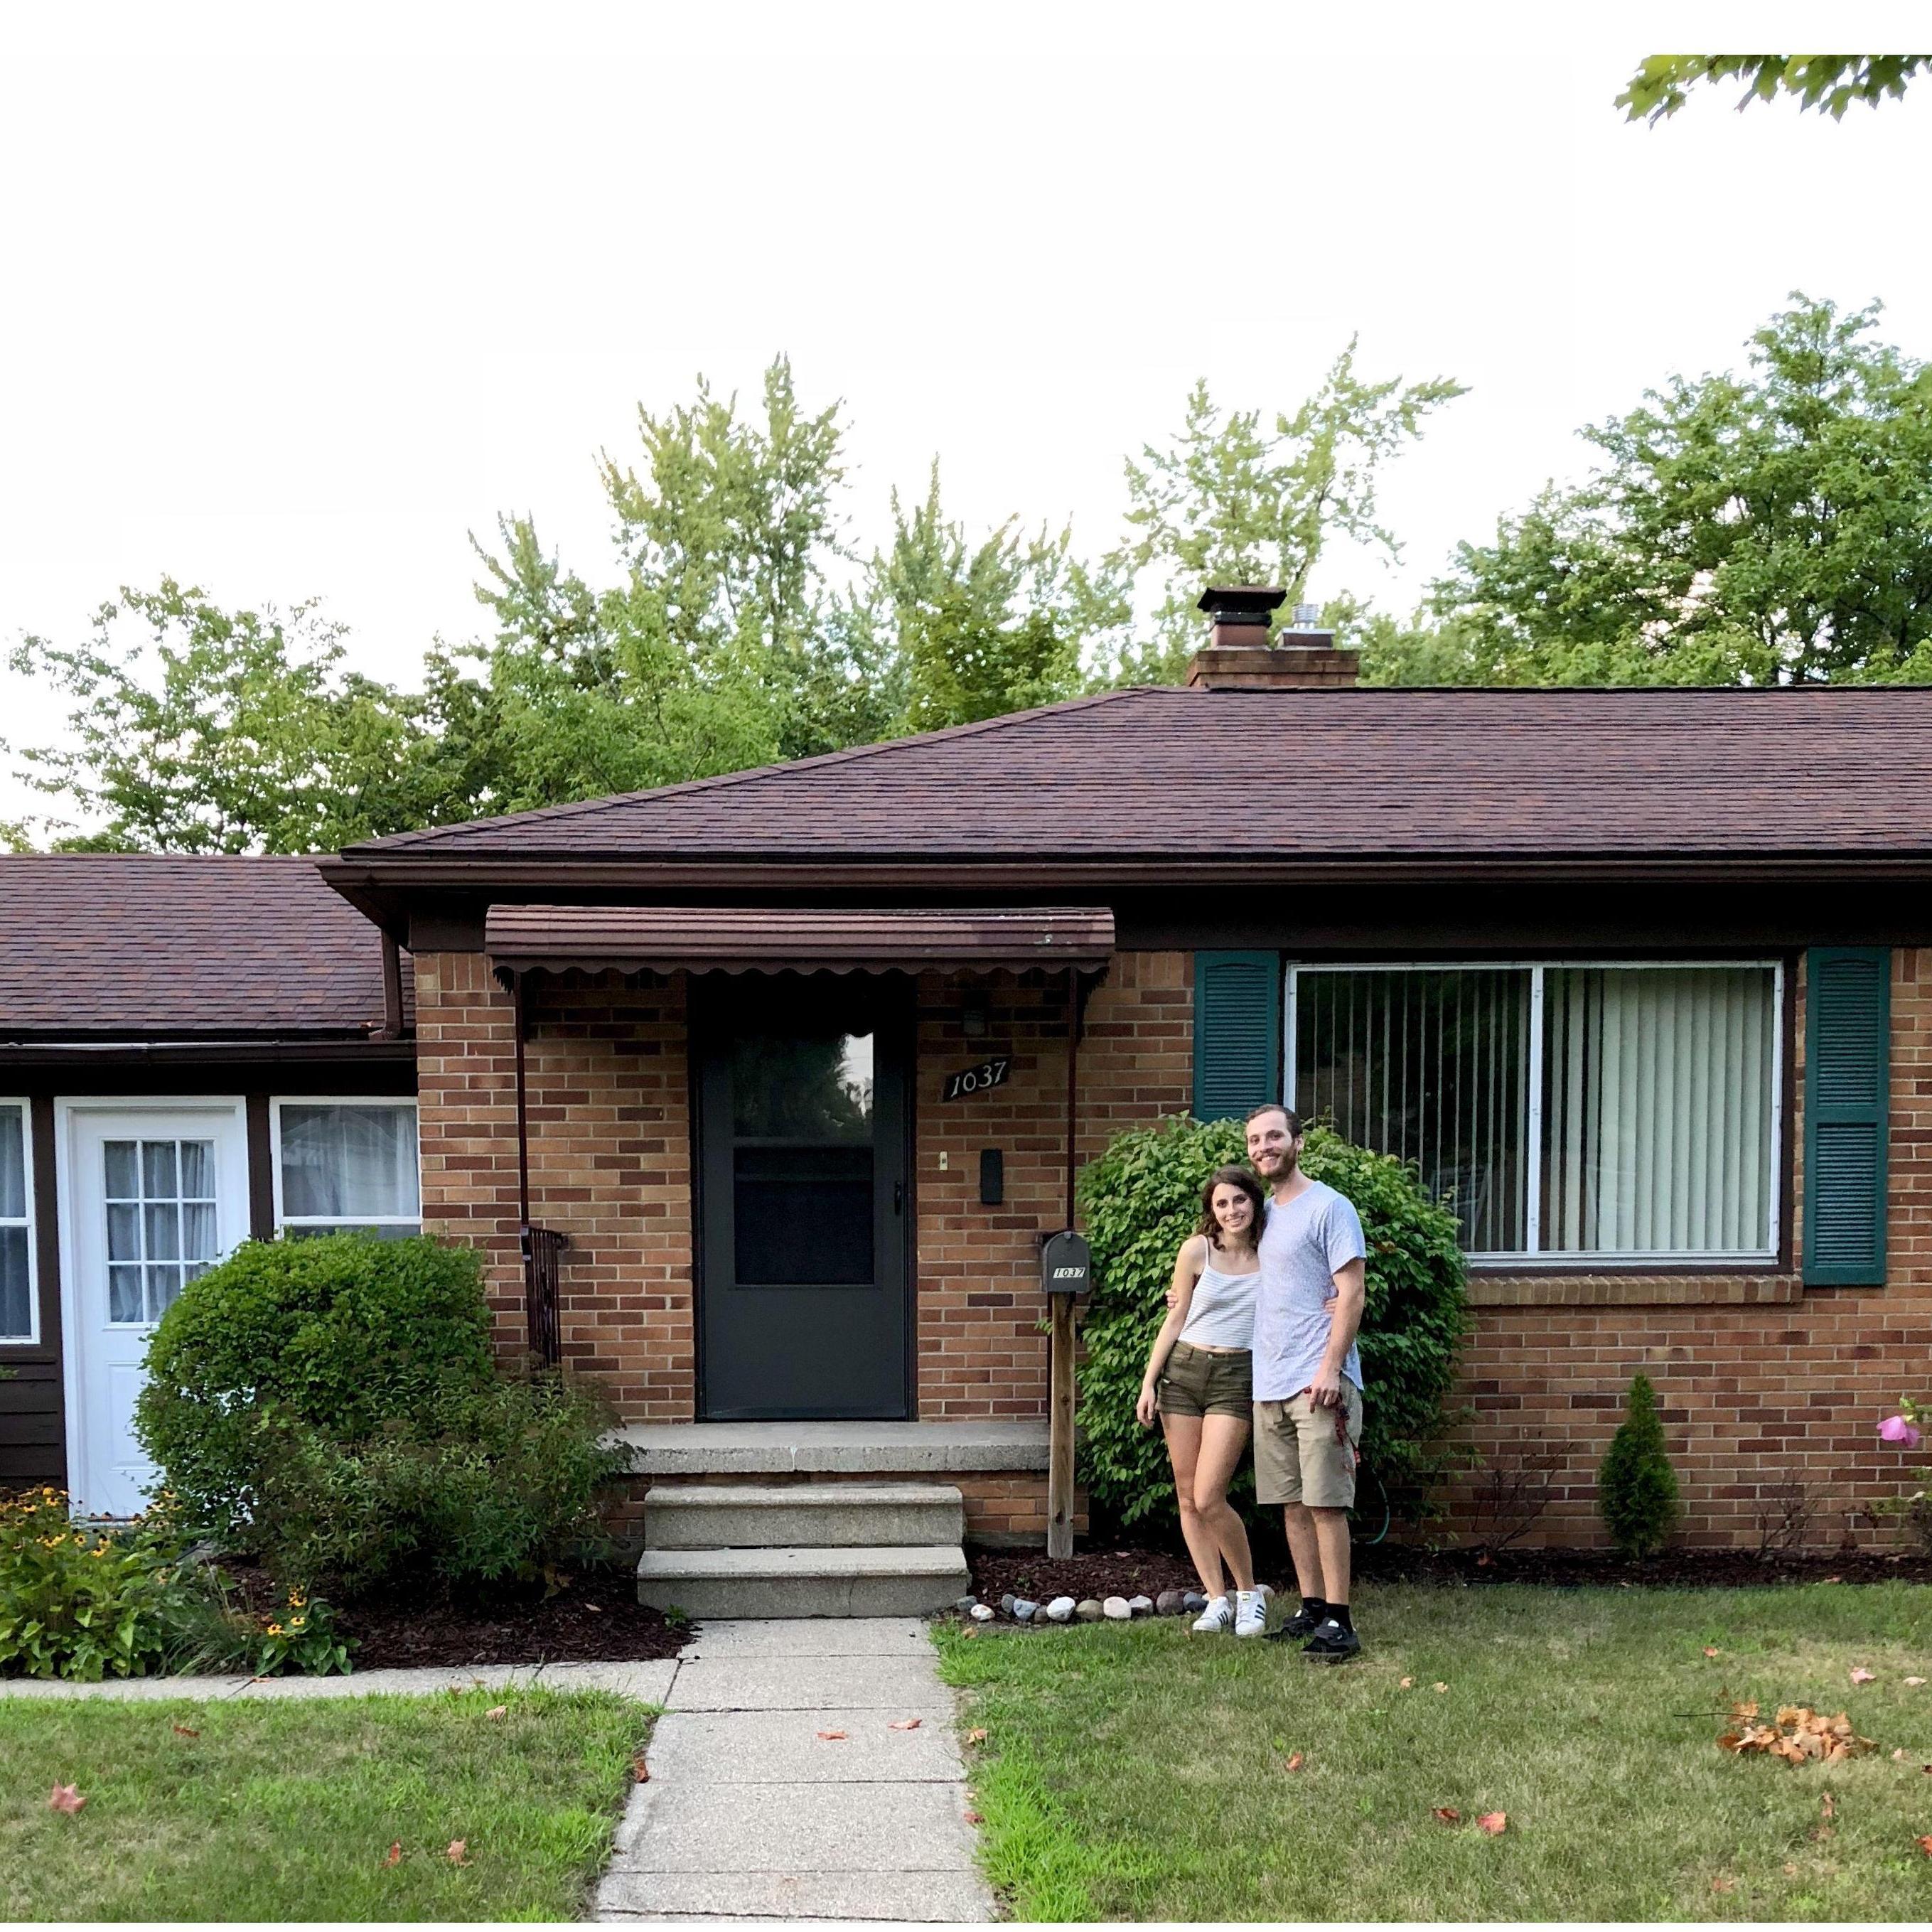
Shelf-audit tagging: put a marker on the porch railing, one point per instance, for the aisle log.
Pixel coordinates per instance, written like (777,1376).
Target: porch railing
(543,1250)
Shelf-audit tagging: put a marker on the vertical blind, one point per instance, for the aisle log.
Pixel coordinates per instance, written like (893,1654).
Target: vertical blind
(1606,1110)
(1658,1125)
(1432,1067)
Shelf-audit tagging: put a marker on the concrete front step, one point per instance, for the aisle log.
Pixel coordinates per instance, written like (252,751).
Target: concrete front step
(890,1580)
(819,1516)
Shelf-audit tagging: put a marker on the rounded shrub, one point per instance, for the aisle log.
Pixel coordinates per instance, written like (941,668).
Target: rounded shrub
(343,1332)
(1140,1200)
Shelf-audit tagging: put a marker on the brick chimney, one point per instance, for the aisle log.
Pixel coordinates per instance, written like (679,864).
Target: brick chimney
(1239,657)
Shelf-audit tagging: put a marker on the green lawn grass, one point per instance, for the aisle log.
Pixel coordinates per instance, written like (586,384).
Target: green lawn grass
(1139,1771)
(287,1810)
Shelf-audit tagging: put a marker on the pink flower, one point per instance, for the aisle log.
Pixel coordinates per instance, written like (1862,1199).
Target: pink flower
(1896,1429)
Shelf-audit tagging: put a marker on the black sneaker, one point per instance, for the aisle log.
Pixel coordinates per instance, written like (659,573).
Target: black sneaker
(1332,1644)
(1292,1629)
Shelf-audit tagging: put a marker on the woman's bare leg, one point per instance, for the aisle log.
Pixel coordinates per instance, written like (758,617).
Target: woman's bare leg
(1217,1457)
(1184,1448)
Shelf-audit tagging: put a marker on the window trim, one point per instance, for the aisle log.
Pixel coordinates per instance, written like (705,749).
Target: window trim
(1533,1256)
(277,1102)
(29,1221)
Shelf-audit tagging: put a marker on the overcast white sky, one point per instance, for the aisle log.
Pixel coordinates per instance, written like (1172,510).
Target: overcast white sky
(289,308)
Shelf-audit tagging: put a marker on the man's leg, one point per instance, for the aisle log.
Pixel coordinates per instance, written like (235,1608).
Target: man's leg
(1330,1530)
(1299,1521)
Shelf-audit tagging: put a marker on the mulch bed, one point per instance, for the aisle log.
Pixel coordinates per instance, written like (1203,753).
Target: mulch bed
(595,1619)
(1125,1570)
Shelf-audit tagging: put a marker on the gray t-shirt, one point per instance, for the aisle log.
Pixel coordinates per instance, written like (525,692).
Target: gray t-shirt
(1302,1247)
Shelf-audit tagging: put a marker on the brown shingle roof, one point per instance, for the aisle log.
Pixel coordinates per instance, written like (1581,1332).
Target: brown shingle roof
(1373,773)
(148,946)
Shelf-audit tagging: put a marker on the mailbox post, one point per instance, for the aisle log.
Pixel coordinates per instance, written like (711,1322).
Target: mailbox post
(1066,1270)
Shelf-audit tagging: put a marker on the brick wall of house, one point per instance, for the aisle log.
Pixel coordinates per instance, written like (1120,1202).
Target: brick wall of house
(609,1151)
(981,1352)
(1767,1391)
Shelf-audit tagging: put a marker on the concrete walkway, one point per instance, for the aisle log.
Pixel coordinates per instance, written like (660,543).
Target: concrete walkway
(649,1683)
(750,1813)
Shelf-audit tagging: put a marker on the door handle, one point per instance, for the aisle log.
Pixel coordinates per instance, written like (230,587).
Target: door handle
(898,1197)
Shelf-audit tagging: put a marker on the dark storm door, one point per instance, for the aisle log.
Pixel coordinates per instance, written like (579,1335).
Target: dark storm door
(804,1204)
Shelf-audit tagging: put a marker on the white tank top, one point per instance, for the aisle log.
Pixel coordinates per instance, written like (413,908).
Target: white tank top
(1222,1314)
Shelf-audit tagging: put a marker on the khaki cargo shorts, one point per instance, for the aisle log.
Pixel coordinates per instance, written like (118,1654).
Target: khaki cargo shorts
(1298,1458)
(1207,1381)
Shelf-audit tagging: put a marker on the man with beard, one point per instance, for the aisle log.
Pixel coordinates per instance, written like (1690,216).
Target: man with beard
(1308,1378)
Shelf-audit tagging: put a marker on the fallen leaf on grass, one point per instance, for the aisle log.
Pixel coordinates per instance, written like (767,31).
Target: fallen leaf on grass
(1494,1823)
(497,1711)
(1790,1869)
(1860,1674)
(1722,1884)
(1407,1684)
(1798,1736)
(1295,1763)
(1828,1805)
(183,1731)
(458,1853)
(1439,1687)
(1914,1681)
(832,1737)
(66,1798)
(394,1855)
(977,1735)
(973,1818)
(1447,1814)
(905,1723)
(641,1772)
(1925,1844)
(1710,1650)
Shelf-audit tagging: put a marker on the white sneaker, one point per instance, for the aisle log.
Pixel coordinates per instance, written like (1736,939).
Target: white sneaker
(1217,1617)
(1250,1613)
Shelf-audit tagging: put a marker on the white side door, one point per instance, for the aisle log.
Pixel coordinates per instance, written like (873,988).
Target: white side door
(153,1196)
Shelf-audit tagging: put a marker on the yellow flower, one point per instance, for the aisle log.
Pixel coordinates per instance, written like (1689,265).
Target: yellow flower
(274,1629)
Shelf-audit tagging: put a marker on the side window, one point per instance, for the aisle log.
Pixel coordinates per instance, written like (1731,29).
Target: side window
(17,1322)
(347,1165)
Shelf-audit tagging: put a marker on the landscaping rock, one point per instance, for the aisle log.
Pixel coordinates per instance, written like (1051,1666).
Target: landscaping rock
(1007,1602)
(1115,1609)
(1193,1604)
(1025,1611)
(1089,1612)
(1139,1606)
(982,1613)
(1060,1610)
(1169,1604)
(966,1606)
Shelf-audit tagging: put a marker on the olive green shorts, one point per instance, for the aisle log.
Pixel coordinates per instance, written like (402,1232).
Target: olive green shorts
(1207,1381)
(1298,1457)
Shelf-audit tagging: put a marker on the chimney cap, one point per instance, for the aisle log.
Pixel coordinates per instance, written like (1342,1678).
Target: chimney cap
(1240,603)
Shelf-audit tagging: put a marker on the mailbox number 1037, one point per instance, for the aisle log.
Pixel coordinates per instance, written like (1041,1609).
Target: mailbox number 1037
(976,1079)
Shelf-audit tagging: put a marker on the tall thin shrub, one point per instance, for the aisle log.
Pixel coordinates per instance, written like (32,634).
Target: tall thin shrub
(1636,1488)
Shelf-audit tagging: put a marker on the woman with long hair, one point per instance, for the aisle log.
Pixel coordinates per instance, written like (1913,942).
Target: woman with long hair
(1199,1382)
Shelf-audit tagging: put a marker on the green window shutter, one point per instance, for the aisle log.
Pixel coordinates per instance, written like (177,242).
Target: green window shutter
(1237,1033)
(1847,1093)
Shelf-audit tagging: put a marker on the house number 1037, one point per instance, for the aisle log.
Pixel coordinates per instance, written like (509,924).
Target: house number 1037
(976,1079)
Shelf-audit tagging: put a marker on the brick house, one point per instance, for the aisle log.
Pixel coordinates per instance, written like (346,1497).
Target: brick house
(758,1092)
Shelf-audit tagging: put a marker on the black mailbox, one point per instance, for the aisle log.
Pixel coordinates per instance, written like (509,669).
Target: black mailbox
(1066,1264)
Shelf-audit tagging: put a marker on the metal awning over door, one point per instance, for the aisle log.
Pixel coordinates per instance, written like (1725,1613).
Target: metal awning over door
(522,939)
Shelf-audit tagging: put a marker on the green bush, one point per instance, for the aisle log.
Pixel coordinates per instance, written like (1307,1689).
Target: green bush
(1141,1199)
(1636,1488)
(86,1600)
(490,1486)
(341,1333)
